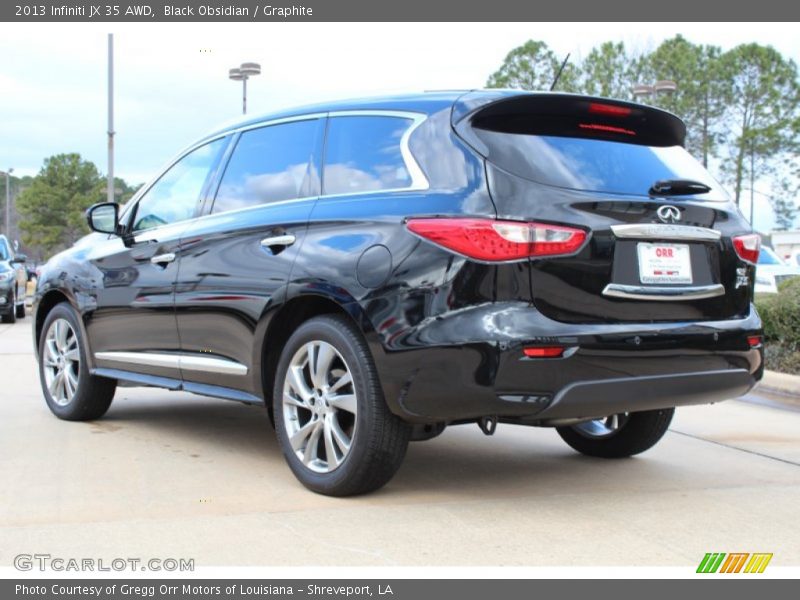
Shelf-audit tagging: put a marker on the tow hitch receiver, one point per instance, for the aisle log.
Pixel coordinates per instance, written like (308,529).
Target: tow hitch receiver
(488,425)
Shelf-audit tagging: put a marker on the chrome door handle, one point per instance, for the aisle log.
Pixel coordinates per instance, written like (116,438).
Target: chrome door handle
(163,259)
(286,239)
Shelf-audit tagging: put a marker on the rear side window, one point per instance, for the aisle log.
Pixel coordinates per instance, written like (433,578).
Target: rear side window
(270,164)
(363,154)
(586,145)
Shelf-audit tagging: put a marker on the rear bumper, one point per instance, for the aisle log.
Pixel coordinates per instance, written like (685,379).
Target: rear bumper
(608,369)
(624,394)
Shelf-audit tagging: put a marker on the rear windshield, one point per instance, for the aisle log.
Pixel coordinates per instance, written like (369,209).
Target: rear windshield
(597,165)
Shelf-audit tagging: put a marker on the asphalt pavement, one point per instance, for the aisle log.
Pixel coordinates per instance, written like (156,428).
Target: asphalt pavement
(173,474)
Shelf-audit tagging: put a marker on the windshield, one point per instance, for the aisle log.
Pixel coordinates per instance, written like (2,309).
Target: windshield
(767,256)
(595,165)
(4,254)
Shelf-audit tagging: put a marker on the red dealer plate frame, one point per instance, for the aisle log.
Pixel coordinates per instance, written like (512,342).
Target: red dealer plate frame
(662,264)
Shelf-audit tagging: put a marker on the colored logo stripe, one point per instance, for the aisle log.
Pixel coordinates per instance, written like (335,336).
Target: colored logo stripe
(734,562)
(758,563)
(711,562)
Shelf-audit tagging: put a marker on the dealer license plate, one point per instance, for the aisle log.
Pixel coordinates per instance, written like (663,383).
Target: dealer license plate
(664,263)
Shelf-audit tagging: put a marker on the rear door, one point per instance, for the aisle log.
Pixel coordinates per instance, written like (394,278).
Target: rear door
(660,226)
(236,260)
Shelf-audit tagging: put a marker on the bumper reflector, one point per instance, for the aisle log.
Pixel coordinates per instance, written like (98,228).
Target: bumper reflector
(544,352)
(754,341)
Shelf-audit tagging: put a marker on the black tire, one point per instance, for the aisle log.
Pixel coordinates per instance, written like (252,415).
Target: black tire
(11,315)
(20,309)
(92,395)
(640,432)
(379,438)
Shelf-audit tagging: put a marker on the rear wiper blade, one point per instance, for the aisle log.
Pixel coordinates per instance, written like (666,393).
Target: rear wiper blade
(678,187)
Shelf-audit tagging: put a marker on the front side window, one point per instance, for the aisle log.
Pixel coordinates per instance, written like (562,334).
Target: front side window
(270,164)
(362,154)
(175,195)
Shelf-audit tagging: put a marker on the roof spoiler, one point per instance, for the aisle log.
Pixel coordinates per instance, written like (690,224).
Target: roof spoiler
(561,114)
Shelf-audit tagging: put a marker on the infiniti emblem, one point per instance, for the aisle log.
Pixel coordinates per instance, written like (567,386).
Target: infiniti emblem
(669,213)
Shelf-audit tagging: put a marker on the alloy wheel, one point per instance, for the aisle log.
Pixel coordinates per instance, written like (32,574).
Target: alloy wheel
(62,361)
(319,406)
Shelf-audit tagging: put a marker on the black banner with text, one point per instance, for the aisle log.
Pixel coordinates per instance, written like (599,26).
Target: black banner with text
(407,10)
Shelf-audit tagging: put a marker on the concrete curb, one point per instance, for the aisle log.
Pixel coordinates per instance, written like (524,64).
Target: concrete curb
(786,386)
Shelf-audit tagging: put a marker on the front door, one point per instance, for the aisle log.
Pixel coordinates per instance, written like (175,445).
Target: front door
(133,327)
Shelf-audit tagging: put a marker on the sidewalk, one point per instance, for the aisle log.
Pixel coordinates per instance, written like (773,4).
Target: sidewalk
(787,387)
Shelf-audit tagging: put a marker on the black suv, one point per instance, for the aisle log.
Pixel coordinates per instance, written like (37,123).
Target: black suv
(373,271)
(13,283)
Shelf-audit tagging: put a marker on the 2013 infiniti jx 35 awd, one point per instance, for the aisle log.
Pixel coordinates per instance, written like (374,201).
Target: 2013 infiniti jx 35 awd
(373,271)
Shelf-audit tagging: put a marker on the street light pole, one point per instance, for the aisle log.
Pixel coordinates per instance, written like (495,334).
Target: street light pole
(110,183)
(8,203)
(752,198)
(663,86)
(242,73)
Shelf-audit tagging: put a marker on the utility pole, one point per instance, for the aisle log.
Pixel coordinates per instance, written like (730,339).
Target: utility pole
(110,185)
(752,177)
(9,171)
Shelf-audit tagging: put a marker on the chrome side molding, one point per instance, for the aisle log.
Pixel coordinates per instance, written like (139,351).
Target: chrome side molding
(668,293)
(189,362)
(186,362)
(665,231)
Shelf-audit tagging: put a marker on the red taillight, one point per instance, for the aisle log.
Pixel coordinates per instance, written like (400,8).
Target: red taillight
(609,109)
(544,352)
(748,247)
(494,241)
(754,341)
(606,128)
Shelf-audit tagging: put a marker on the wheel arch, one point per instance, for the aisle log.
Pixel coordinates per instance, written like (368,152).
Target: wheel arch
(48,301)
(278,326)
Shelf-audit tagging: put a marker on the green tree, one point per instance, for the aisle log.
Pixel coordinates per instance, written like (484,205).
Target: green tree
(533,66)
(784,203)
(701,96)
(608,71)
(126,190)
(123,191)
(52,208)
(762,115)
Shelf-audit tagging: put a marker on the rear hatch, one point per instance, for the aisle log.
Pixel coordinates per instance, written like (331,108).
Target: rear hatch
(660,228)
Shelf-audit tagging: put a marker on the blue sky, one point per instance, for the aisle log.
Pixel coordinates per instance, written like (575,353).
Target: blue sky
(172,87)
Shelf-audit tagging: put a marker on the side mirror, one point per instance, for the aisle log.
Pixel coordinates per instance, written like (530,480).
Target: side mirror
(103,217)
(19,259)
